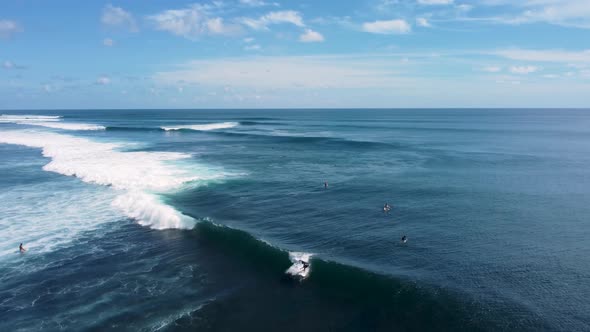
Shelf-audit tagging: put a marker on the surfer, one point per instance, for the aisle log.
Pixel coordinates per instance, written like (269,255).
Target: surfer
(325,185)
(21,248)
(404,239)
(386,208)
(305,265)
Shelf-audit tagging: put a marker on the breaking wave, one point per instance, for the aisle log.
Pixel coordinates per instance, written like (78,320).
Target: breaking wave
(204,127)
(47,121)
(138,177)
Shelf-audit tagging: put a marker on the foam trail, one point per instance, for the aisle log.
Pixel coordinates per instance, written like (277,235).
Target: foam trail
(136,174)
(204,127)
(48,122)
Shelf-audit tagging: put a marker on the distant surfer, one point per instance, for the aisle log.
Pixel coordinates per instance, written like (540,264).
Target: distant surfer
(404,239)
(21,248)
(386,207)
(325,185)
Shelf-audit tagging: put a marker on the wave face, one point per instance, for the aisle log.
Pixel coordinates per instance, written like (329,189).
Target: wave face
(54,122)
(137,175)
(204,127)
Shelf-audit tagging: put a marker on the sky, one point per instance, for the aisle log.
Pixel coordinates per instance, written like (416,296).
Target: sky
(66,54)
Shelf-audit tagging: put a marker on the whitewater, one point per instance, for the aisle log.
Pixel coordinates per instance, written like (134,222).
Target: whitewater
(54,122)
(138,177)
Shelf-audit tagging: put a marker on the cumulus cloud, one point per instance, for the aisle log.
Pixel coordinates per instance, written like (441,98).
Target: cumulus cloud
(435,2)
(108,42)
(523,69)
(276,17)
(387,27)
(103,80)
(8,28)
(310,36)
(117,17)
(192,22)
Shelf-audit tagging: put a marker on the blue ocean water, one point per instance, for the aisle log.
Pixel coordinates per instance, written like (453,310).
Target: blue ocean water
(190,219)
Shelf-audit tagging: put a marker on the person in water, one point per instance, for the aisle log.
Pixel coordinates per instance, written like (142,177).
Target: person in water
(21,248)
(325,185)
(404,239)
(386,207)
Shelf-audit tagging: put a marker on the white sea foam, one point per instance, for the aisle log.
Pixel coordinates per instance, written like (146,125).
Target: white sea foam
(135,175)
(45,216)
(54,122)
(204,127)
(148,210)
(30,118)
(297,269)
(63,125)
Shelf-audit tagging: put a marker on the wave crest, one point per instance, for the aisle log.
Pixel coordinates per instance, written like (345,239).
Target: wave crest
(48,121)
(204,127)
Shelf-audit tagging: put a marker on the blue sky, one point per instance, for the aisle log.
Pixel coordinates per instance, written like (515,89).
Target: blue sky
(258,53)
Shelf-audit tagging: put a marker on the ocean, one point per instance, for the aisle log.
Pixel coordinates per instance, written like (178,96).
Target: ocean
(198,220)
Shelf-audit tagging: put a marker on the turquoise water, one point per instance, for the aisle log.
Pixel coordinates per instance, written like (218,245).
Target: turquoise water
(189,220)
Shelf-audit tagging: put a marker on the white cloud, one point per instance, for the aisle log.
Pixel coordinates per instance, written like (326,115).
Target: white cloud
(435,2)
(277,17)
(387,27)
(572,13)
(118,17)
(492,69)
(310,36)
(283,73)
(8,28)
(103,80)
(423,22)
(11,65)
(257,3)
(108,42)
(545,55)
(254,47)
(48,88)
(248,40)
(464,7)
(191,22)
(216,26)
(523,69)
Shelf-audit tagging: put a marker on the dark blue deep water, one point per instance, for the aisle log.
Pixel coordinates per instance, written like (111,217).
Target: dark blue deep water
(133,227)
